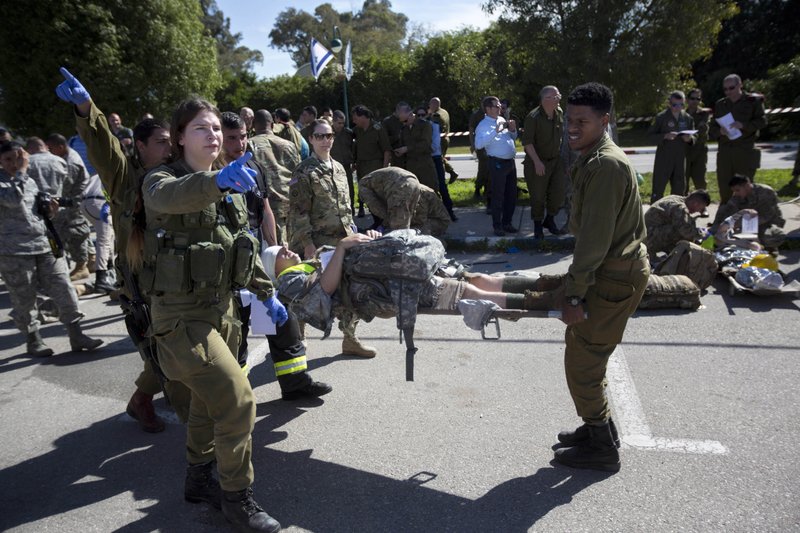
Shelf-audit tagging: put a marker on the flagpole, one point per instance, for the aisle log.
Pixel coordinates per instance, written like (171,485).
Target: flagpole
(336,47)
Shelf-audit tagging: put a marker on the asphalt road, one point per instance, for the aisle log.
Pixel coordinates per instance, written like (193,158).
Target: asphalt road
(779,157)
(706,402)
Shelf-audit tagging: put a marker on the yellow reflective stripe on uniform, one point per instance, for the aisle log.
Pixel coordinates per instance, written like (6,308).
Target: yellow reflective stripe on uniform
(291,366)
(300,267)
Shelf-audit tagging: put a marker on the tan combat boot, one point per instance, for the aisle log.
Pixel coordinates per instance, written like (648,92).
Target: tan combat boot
(92,263)
(352,346)
(80,271)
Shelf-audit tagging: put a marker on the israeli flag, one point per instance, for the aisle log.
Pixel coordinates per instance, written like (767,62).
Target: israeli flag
(320,57)
(348,62)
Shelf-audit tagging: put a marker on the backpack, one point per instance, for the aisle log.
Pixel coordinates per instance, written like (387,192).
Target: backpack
(385,277)
(670,292)
(691,260)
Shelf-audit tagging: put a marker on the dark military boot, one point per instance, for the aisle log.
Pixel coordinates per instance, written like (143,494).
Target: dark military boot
(36,346)
(245,514)
(598,453)
(538,229)
(102,283)
(78,341)
(200,485)
(549,282)
(550,223)
(581,435)
(140,408)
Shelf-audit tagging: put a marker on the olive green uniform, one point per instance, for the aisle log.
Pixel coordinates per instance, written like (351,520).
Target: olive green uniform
(371,144)
(482,179)
(417,137)
(668,221)
(442,118)
(770,219)
(392,194)
(197,248)
(609,270)
(670,163)
(545,135)
(394,129)
(122,180)
(343,150)
(290,133)
(739,156)
(278,157)
(697,153)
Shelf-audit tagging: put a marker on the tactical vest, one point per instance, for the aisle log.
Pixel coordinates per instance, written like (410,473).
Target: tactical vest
(204,253)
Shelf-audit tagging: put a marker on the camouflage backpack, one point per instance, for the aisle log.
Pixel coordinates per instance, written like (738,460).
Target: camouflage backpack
(385,277)
(691,260)
(670,292)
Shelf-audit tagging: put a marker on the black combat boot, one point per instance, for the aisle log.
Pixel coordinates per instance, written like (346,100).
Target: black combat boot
(36,346)
(200,485)
(78,341)
(102,282)
(598,453)
(245,514)
(581,435)
(315,389)
(550,223)
(538,229)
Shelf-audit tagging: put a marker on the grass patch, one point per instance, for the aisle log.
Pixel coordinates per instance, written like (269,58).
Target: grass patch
(462,191)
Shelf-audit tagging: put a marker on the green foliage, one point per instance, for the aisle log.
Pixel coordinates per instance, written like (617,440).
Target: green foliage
(641,49)
(158,57)
(231,57)
(374,30)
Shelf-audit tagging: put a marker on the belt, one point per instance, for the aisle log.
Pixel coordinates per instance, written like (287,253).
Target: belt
(500,158)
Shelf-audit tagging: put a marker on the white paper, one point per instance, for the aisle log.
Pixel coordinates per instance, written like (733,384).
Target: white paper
(726,122)
(686,132)
(325,258)
(750,224)
(260,322)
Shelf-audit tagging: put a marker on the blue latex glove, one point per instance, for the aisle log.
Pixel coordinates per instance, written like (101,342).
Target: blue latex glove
(277,312)
(105,211)
(236,176)
(71,90)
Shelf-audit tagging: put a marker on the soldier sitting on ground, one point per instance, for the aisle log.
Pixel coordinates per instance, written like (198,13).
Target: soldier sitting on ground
(754,199)
(669,221)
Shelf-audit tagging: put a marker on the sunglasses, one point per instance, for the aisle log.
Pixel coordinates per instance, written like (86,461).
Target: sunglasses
(677,104)
(694,98)
(323,136)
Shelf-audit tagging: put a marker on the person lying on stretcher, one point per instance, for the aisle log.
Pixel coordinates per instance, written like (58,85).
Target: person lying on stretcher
(307,285)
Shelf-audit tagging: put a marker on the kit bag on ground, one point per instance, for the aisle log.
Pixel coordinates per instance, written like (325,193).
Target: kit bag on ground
(689,259)
(670,292)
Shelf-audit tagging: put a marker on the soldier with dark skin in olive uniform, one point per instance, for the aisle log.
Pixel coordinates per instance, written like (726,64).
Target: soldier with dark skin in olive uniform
(393,125)
(416,148)
(373,148)
(737,153)
(607,277)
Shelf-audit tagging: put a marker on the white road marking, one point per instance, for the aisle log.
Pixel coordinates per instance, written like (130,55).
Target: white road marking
(631,421)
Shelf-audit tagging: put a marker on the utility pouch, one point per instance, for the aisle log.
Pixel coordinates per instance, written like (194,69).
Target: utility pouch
(172,271)
(236,210)
(207,261)
(245,248)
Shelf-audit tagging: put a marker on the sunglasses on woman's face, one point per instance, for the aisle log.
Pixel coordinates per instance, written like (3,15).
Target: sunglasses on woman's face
(323,136)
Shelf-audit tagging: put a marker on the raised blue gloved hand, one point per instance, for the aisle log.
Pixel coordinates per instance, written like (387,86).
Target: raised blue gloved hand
(277,312)
(105,211)
(236,176)
(71,90)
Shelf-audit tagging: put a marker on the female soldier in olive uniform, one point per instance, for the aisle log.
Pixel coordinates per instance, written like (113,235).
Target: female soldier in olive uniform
(196,249)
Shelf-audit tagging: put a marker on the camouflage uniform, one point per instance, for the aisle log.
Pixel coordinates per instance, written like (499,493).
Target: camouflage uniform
(739,156)
(290,133)
(430,216)
(419,158)
(278,157)
(544,134)
(392,194)
(49,172)
(371,144)
(670,162)
(394,131)
(26,259)
(668,222)
(697,153)
(609,270)
(71,225)
(770,219)
(122,177)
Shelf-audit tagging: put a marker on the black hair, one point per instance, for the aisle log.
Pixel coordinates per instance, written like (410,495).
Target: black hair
(283,114)
(592,94)
(738,179)
(145,128)
(57,139)
(9,146)
(261,118)
(232,121)
(311,110)
(700,194)
(362,111)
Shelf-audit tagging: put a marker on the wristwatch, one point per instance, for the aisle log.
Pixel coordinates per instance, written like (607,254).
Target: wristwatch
(574,301)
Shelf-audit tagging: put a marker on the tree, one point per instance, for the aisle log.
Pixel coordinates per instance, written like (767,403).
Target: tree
(157,58)
(376,29)
(231,56)
(641,49)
